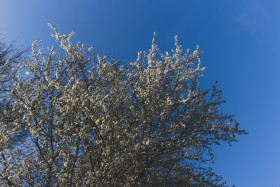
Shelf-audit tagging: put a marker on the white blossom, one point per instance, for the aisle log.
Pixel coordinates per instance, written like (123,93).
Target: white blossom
(146,123)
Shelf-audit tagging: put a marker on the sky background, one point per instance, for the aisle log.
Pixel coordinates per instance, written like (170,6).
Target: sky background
(240,41)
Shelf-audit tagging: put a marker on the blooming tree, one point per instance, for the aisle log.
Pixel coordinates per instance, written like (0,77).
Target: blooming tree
(10,135)
(90,121)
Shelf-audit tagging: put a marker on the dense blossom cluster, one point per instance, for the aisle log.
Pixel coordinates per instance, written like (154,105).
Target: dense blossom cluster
(84,120)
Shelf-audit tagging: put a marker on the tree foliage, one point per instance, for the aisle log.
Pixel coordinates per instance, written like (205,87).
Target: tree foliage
(90,121)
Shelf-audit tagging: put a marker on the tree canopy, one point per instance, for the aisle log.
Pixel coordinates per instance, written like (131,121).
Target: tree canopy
(93,121)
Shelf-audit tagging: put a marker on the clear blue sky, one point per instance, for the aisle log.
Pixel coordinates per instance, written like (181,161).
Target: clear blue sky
(240,40)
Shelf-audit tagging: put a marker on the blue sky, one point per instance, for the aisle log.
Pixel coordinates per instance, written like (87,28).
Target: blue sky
(240,41)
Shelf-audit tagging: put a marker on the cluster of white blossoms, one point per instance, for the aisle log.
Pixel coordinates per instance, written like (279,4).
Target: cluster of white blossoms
(88,121)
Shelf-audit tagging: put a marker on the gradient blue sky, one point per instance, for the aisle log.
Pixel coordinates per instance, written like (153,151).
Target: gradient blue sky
(240,40)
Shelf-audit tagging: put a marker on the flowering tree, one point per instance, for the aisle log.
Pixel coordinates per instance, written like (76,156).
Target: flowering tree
(92,122)
(10,135)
